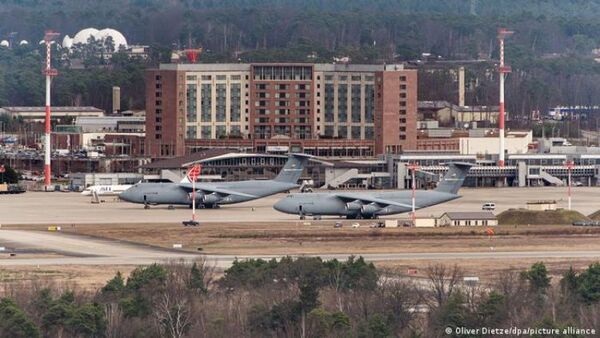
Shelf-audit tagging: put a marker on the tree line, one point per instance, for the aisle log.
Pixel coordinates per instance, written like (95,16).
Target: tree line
(551,52)
(303,297)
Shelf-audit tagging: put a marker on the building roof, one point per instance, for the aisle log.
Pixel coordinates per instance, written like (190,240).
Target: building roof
(179,162)
(319,67)
(42,109)
(446,104)
(477,215)
(356,164)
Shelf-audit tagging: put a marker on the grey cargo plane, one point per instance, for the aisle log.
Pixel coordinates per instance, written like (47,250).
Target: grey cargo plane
(374,204)
(211,195)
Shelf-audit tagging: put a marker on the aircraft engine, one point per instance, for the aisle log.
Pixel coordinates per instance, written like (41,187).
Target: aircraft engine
(354,206)
(211,198)
(370,209)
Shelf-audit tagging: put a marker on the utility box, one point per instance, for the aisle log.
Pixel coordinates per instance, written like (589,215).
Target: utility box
(427,222)
(391,223)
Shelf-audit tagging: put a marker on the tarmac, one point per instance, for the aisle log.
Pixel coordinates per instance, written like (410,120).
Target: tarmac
(73,208)
(82,250)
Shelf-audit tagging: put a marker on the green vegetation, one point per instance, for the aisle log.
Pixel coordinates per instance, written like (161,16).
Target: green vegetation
(9,175)
(551,51)
(301,297)
(549,217)
(14,322)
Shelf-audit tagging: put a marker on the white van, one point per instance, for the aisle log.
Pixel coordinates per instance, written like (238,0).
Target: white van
(489,206)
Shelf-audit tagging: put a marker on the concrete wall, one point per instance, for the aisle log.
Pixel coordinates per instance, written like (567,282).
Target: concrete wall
(491,145)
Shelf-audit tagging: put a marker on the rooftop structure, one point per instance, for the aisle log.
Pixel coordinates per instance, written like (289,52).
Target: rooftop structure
(39,113)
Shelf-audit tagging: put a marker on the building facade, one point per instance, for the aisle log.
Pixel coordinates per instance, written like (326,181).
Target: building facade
(350,109)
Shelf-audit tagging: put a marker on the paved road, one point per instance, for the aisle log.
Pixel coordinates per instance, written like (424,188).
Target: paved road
(92,251)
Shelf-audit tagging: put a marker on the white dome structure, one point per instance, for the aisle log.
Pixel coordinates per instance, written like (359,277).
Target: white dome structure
(4,43)
(83,35)
(23,42)
(118,38)
(67,42)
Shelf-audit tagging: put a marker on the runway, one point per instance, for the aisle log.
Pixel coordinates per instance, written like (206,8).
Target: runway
(73,208)
(83,250)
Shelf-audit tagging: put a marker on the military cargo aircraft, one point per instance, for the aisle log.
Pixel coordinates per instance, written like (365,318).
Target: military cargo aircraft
(373,204)
(213,194)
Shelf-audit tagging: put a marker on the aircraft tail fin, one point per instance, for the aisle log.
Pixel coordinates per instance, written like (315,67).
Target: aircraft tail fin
(292,169)
(454,178)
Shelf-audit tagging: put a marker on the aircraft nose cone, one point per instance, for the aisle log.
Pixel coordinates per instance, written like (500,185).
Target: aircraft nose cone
(281,205)
(126,195)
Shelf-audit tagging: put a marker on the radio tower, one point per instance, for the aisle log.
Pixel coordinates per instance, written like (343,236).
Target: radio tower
(49,72)
(502,69)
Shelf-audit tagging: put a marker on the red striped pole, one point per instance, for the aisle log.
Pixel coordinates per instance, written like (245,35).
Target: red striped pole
(49,72)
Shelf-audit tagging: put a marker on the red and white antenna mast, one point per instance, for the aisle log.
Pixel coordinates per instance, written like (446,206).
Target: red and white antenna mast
(502,69)
(49,72)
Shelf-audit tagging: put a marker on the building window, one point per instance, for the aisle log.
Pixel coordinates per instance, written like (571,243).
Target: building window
(191,132)
(403,78)
(221,102)
(329,102)
(206,103)
(206,132)
(191,94)
(369,135)
(206,77)
(235,108)
(221,77)
(343,103)
(355,102)
(369,99)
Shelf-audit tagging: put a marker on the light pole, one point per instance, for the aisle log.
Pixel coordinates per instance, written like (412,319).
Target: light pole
(413,167)
(193,174)
(569,165)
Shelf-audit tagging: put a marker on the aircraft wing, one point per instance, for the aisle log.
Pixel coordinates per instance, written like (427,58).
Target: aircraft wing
(369,199)
(210,190)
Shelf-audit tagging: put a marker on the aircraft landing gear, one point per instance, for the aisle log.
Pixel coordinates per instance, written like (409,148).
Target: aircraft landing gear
(170,207)
(146,206)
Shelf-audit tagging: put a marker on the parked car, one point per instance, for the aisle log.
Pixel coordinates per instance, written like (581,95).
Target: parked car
(489,206)
(355,225)
(377,225)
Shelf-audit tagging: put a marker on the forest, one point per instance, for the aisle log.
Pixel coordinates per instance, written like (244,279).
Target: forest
(303,297)
(552,52)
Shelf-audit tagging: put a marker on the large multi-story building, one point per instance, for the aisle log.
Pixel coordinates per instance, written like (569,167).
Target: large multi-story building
(324,109)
